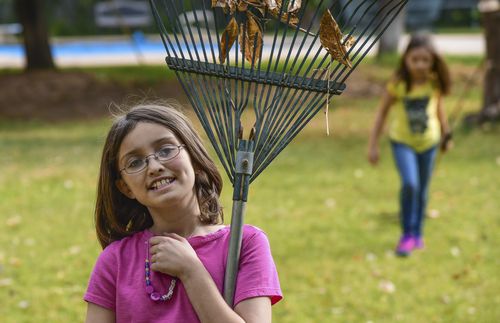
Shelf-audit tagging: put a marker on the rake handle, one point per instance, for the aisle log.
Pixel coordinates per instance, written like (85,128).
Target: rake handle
(243,171)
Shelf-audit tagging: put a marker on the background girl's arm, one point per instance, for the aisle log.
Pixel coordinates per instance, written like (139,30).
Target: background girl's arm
(96,313)
(382,111)
(445,128)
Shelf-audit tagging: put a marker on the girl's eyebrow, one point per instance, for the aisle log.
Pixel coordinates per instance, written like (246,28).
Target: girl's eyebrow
(166,139)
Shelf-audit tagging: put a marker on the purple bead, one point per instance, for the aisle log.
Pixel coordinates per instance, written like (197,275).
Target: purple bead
(155,296)
(149,289)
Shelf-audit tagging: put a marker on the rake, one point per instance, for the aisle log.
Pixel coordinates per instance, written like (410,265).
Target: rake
(257,71)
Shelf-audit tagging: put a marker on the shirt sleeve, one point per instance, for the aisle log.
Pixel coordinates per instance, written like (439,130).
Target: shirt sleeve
(102,284)
(391,88)
(257,274)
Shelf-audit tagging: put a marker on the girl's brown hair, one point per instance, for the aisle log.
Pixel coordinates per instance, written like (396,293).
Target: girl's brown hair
(439,67)
(117,216)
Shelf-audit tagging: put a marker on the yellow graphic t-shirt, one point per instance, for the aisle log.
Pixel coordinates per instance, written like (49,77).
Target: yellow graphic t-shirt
(413,118)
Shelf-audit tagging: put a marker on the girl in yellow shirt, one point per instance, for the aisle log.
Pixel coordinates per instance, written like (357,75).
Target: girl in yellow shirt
(417,126)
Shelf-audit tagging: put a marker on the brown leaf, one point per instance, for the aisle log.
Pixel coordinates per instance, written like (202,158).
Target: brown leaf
(275,12)
(255,3)
(294,6)
(272,4)
(218,3)
(331,36)
(348,42)
(242,6)
(252,38)
(227,39)
(233,5)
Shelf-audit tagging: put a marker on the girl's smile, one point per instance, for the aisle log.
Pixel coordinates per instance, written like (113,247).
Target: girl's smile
(161,183)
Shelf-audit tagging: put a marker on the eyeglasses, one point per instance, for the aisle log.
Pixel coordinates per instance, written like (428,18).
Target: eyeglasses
(164,154)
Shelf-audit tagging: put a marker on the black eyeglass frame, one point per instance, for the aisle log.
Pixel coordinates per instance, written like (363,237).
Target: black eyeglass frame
(155,155)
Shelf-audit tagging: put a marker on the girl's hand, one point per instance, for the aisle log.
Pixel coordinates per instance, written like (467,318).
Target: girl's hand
(172,254)
(373,154)
(446,142)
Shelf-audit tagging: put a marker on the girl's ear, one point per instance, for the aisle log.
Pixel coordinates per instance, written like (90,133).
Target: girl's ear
(123,187)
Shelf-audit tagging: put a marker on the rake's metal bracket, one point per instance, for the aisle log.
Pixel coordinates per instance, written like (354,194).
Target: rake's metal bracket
(255,75)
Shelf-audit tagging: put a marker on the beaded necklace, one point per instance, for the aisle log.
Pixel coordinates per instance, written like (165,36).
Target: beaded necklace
(155,296)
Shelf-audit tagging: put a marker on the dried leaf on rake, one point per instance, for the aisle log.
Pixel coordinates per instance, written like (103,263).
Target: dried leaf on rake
(331,39)
(257,4)
(218,3)
(272,4)
(227,39)
(251,39)
(232,5)
(242,6)
(294,6)
(276,10)
(348,42)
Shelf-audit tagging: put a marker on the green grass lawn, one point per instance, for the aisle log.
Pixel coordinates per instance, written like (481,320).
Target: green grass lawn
(330,217)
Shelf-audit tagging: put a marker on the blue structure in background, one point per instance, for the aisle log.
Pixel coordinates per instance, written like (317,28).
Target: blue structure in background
(425,14)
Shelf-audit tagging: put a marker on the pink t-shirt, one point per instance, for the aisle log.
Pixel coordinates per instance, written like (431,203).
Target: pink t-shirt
(117,281)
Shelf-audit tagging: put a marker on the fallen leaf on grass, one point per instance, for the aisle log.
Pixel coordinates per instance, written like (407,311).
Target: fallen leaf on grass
(358,173)
(433,214)
(74,250)
(23,304)
(29,242)
(387,286)
(370,257)
(6,282)
(68,184)
(446,299)
(455,251)
(330,203)
(336,310)
(460,274)
(13,221)
(15,262)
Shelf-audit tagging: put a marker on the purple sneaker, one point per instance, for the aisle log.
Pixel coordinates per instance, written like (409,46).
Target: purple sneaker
(419,243)
(405,246)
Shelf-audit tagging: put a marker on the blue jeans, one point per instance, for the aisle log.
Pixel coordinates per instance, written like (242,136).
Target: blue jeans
(415,170)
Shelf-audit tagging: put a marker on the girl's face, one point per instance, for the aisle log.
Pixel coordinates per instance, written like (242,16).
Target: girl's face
(419,62)
(159,184)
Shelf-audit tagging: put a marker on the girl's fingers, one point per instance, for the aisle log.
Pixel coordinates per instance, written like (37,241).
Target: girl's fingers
(156,240)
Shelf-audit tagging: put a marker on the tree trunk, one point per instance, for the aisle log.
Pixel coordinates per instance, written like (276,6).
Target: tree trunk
(388,42)
(491,96)
(36,39)
(490,110)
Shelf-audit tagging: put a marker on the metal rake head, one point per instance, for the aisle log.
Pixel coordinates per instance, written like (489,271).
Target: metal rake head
(281,60)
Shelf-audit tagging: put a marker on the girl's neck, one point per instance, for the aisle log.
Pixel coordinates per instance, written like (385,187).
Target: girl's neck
(183,221)
(419,81)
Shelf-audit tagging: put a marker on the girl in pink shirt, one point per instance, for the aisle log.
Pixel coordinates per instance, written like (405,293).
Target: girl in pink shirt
(158,219)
